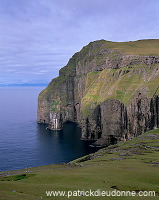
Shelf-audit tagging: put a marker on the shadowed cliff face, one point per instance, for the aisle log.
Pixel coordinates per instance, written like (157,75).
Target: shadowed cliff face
(110,94)
(120,122)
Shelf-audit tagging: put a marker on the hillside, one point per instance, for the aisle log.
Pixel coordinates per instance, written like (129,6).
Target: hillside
(109,88)
(140,47)
(128,166)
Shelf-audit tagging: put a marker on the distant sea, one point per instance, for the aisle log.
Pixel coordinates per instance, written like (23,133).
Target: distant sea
(24,143)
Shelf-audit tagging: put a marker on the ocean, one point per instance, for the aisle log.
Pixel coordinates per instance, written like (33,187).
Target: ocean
(24,143)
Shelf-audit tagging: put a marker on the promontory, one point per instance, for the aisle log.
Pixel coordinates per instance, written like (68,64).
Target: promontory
(110,89)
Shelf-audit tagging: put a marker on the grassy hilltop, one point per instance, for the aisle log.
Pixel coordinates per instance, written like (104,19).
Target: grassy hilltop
(129,166)
(121,83)
(139,47)
(110,82)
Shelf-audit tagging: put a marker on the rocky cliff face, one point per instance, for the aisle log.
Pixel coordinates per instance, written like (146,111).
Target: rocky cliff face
(112,95)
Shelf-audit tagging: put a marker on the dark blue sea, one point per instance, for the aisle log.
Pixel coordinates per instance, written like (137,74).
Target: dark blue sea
(24,143)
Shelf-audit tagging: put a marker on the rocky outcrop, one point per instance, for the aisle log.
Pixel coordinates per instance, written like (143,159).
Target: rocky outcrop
(112,96)
(120,122)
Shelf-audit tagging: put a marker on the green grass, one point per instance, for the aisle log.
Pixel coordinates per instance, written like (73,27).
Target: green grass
(122,84)
(109,83)
(55,106)
(117,166)
(140,47)
(17,177)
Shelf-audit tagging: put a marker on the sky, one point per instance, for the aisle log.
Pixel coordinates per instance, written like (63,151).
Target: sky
(38,37)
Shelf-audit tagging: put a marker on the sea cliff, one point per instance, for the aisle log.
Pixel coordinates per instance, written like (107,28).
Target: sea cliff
(109,88)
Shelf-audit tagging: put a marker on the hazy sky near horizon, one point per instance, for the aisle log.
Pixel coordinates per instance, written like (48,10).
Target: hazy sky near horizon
(37,37)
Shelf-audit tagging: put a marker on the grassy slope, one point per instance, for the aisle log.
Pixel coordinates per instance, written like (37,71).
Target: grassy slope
(133,165)
(103,85)
(140,47)
(108,84)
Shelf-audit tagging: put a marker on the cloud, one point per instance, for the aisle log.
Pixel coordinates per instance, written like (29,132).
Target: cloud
(37,37)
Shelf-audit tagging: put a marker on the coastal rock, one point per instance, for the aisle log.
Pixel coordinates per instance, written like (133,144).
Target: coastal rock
(112,95)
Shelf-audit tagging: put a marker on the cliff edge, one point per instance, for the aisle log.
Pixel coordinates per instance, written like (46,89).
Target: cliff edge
(111,89)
